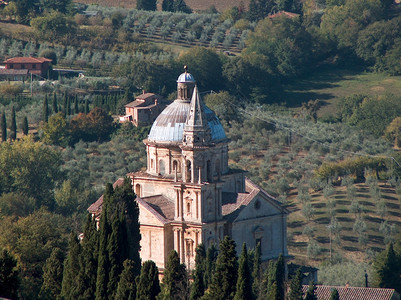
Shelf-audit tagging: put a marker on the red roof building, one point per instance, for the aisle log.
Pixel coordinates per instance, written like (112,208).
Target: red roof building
(38,66)
(143,110)
(323,292)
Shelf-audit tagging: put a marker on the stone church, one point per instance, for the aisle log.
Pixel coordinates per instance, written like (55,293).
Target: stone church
(188,194)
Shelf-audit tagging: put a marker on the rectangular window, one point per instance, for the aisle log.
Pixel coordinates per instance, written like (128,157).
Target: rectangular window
(11,66)
(22,66)
(33,66)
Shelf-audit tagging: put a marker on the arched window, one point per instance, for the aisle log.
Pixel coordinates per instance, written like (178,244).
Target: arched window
(162,168)
(138,190)
(188,207)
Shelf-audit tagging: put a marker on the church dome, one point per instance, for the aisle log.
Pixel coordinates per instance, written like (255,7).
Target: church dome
(186,77)
(169,125)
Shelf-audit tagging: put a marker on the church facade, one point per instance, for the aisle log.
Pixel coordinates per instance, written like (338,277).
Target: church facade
(188,194)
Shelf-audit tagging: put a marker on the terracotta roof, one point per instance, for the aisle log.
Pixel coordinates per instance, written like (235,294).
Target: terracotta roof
(233,203)
(354,293)
(13,72)
(145,96)
(161,205)
(284,13)
(26,60)
(96,207)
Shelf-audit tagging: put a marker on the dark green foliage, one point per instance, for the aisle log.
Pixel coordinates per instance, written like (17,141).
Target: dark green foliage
(198,285)
(76,103)
(54,103)
(71,269)
(13,125)
(89,258)
(126,289)
(310,293)
(148,286)
(146,4)
(211,257)
(25,126)
(45,109)
(68,109)
(175,281)
(296,286)
(3,127)
(86,111)
(103,267)
(168,5)
(334,295)
(53,275)
(244,288)
(280,276)
(226,272)
(9,276)
(256,272)
(387,266)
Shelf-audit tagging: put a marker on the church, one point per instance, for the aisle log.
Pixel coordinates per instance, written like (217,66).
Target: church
(188,194)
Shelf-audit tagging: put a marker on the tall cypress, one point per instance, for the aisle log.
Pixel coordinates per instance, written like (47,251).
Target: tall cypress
(211,257)
(148,286)
(296,292)
(71,269)
(53,275)
(198,285)
(86,106)
(3,127)
(388,269)
(89,258)
(103,268)
(25,126)
(54,103)
(115,251)
(175,281)
(65,102)
(226,272)
(244,287)
(126,289)
(13,125)
(45,109)
(76,103)
(280,276)
(256,272)
(68,106)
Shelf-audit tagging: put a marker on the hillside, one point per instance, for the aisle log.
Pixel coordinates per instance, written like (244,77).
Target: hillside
(195,5)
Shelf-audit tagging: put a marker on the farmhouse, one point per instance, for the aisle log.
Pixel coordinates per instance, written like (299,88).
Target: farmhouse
(37,66)
(144,110)
(188,195)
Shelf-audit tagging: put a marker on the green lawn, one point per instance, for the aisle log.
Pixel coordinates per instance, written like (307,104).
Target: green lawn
(330,84)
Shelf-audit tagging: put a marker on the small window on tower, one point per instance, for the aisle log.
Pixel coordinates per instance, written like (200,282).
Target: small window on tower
(188,207)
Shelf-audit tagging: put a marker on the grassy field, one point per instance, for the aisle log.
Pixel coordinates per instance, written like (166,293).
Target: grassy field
(330,84)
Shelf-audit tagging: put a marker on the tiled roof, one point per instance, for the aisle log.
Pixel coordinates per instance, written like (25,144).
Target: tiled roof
(145,96)
(96,207)
(284,13)
(354,293)
(161,205)
(13,72)
(26,60)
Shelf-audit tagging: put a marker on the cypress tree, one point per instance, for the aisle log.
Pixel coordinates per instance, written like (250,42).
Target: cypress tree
(256,272)
(65,102)
(280,276)
(198,285)
(3,127)
(25,126)
(388,270)
(115,251)
(225,274)
(71,269)
(54,103)
(86,106)
(334,295)
(88,261)
(244,288)
(9,277)
(103,268)
(45,110)
(148,286)
(76,108)
(13,125)
(53,275)
(175,278)
(310,293)
(296,292)
(146,4)
(68,106)
(211,257)
(126,289)
(168,5)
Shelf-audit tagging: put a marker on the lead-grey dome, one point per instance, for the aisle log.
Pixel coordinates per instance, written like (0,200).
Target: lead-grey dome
(186,77)
(169,125)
